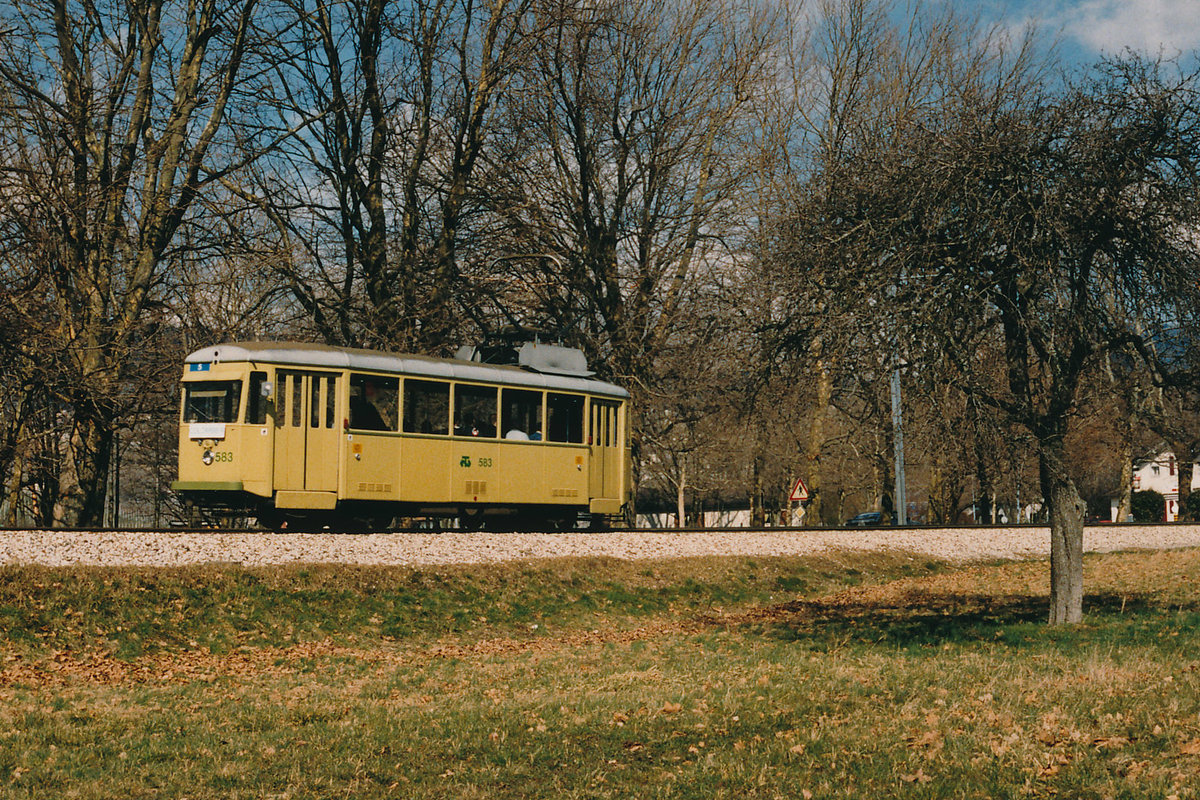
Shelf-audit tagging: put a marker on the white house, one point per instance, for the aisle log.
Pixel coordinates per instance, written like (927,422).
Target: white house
(1158,472)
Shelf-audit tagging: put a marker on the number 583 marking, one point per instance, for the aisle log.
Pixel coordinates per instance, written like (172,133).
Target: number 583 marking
(465,461)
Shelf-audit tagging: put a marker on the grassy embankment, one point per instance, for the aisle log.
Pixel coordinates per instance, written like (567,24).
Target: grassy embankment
(860,676)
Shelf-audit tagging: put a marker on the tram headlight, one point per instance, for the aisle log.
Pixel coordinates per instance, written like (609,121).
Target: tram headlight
(207,458)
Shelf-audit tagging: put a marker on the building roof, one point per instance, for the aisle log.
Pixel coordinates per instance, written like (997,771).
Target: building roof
(328,357)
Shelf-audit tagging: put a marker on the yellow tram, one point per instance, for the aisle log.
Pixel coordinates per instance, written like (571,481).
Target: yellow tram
(307,436)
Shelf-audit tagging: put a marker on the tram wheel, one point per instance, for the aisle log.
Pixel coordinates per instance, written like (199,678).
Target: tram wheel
(470,519)
(560,522)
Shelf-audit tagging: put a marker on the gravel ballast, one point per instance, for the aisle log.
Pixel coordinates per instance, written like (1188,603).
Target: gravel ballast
(110,549)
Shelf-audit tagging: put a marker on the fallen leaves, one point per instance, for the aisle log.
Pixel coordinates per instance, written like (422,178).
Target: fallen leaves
(1109,742)
(917,777)
(62,667)
(1056,762)
(1000,747)
(930,742)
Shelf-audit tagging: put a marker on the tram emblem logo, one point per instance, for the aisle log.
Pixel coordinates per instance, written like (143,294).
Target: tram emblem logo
(465,461)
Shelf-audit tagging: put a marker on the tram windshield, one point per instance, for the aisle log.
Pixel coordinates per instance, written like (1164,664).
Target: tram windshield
(211,401)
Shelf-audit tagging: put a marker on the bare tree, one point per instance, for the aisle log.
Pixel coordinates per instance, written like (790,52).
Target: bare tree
(857,71)
(630,167)
(690,416)
(372,200)
(637,141)
(1049,226)
(27,380)
(112,116)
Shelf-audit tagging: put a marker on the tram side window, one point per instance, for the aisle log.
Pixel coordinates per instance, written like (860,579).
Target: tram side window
(295,399)
(565,418)
(256,403)
(331,393)
(323,397)
(373,402)
(521,414)
(426,407)
(608,415)
(475,411)
(212,401)
(604,423)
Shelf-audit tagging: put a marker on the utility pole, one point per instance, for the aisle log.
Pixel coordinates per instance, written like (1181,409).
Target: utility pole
(900,496)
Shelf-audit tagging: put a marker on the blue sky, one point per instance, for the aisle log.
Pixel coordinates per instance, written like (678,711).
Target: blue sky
(1088,29)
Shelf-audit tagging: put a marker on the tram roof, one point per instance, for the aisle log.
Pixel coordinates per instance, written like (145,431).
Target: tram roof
(300,354)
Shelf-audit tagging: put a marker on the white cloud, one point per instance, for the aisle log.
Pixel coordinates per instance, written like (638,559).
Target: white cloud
(1110,26)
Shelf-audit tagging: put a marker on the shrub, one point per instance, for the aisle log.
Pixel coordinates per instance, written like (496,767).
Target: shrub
(1148,506)
(1190,510)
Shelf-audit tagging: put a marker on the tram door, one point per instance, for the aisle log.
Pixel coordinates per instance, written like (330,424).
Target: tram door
(306,432)
(606,450)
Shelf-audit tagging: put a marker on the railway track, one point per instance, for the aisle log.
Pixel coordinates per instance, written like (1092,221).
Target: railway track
(175,547)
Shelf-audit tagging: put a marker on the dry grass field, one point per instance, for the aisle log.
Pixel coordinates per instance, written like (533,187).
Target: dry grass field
(857,675)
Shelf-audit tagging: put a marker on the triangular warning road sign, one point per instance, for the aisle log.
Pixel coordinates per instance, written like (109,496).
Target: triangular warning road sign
(799,491)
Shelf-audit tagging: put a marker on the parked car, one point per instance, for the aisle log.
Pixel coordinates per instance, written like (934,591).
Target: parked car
(866,519)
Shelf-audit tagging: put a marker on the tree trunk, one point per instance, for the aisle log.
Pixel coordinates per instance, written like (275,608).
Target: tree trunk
(1066,510)
(1125,498)
(635,468)
(12,492)
(680,496)
(758,514)
(12,465)
(816,441)
(885,482)
(1184,469)
(86,454)
(937,515)
(984,505)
